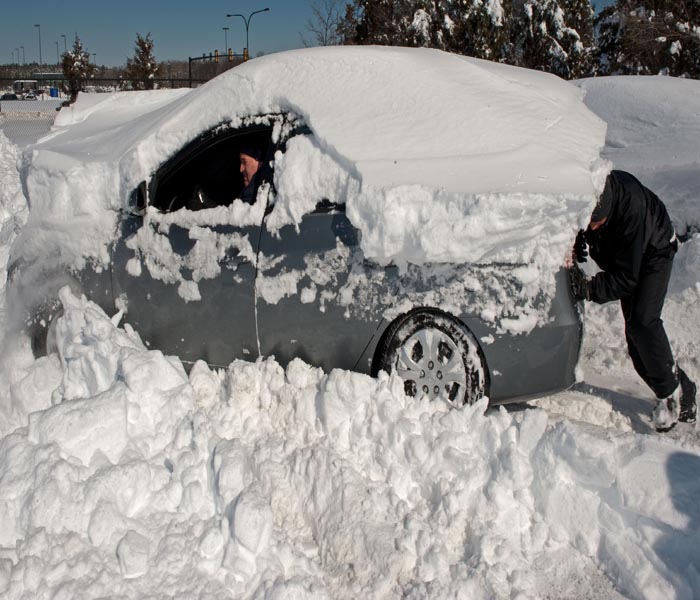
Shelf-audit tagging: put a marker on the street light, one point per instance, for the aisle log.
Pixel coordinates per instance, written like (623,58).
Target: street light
(65,47)
(247,24)
(24,62)
(225,39)
(39,26)
(17,50)
(58,60)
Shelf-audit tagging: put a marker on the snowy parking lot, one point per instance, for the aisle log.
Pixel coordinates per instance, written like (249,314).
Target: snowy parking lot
(122,475)
(25,121)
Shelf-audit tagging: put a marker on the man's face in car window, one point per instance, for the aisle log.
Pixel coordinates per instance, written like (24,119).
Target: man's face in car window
(249,167)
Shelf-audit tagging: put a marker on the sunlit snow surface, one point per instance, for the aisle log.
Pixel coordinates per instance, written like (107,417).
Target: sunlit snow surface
(653,132)
(121,476)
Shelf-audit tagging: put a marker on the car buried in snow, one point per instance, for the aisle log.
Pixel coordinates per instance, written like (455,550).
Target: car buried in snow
(412,213)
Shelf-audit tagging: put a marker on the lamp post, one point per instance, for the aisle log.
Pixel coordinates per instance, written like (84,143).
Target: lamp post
(58,60)
(225,39)
(247,24)
(17,50)
(39,27)
(65,46)
(24,62)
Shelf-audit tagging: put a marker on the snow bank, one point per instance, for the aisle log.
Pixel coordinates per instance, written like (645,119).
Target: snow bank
(259,480)
(13,211)
(653,132)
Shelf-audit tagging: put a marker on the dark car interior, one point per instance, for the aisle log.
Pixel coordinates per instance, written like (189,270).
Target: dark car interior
(206,173)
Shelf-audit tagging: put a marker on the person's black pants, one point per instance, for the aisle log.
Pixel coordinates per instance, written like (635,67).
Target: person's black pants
(646,338)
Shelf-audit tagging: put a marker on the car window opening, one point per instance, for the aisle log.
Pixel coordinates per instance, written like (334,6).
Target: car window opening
(210,174)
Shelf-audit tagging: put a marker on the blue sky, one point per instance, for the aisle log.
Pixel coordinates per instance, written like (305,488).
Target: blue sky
(179,28)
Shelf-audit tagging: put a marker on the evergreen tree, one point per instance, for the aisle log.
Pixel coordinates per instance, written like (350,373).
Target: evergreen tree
(556,36)
(143,68)
(76,68)
(550,35)
(482,28)
(650,37)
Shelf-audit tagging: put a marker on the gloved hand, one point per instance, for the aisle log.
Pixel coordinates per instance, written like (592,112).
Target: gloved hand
(580,247)
(579,284)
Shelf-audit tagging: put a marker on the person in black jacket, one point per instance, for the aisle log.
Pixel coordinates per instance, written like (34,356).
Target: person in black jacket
(631,238)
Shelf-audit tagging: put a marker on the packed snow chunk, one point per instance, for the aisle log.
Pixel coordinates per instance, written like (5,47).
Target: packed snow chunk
(90,347)
(305,175)
(133,554)
(32,392)
(251,520)
(83,427)
(232,471)
(5,572)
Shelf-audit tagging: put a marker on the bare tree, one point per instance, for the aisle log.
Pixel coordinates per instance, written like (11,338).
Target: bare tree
(323,24)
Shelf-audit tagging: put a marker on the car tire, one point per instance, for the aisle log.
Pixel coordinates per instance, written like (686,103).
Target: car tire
(436,356)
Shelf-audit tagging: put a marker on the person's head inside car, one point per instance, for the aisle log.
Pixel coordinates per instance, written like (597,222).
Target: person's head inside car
(250,161)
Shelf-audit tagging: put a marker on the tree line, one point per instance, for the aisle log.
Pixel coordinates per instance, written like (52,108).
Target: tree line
(565,37)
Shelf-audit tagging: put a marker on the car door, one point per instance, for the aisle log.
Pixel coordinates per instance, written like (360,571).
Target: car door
(318,298)
(186,277)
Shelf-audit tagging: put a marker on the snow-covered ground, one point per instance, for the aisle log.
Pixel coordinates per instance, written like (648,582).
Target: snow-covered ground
(122,476)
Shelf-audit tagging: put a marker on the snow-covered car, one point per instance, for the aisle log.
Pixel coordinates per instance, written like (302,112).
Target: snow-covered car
(30,95)
(413,214)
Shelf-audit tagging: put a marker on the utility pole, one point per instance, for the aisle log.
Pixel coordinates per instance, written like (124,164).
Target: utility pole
(246,51)
(40,61)
(225,39)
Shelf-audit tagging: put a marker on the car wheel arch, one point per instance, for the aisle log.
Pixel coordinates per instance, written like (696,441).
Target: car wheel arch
(379,357)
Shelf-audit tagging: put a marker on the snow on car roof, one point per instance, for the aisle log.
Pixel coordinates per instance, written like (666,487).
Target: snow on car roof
(395,116)
(439,157)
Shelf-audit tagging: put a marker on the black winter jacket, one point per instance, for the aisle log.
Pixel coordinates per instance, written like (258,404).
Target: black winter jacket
(637,228)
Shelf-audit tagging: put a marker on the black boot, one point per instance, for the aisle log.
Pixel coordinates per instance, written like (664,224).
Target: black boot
(689,409)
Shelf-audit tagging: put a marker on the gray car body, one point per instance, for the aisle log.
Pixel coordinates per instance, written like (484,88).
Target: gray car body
(323,327)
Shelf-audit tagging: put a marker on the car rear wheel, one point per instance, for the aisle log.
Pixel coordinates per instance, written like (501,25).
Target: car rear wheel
(436,356)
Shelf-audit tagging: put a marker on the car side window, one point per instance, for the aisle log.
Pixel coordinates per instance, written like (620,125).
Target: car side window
(326,206)
(207,172)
